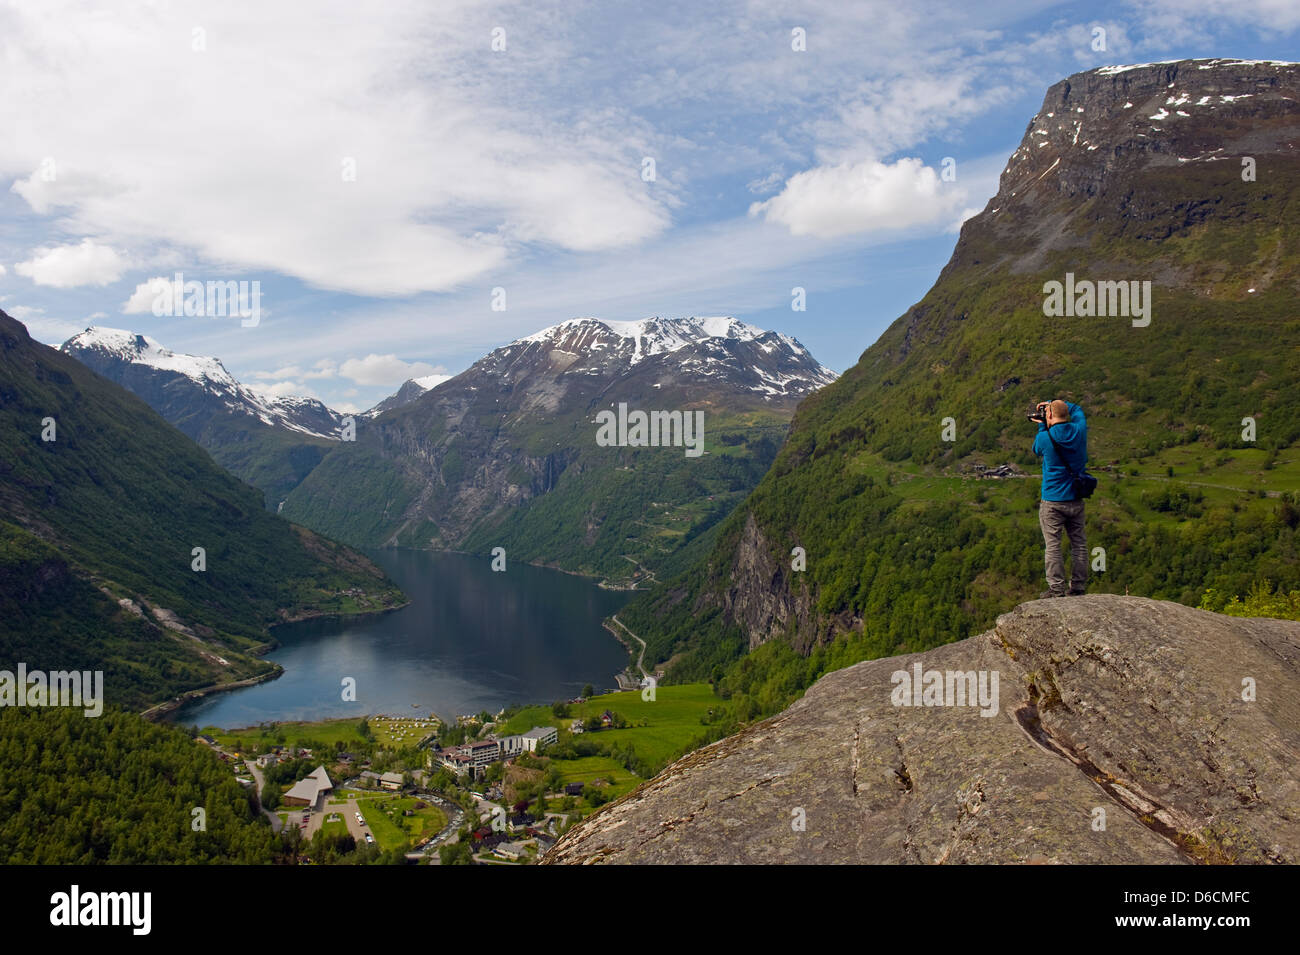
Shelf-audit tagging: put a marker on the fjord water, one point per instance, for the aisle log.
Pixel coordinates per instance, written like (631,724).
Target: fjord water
(470,639)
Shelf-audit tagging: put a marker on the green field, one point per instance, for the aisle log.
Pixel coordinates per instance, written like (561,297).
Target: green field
(392,830)
(390,733)
(672,721)
(588,768)
(401,732)
(659,730)
(257,740)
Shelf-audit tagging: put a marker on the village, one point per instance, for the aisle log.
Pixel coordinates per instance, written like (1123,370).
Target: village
(433,793)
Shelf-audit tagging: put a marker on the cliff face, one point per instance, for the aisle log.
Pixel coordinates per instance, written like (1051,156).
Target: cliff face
(1125,731)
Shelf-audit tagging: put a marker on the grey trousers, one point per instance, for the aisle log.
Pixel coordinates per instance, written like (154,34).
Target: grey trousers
(1054,517)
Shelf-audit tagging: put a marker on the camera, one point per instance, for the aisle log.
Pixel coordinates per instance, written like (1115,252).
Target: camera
(1039,413)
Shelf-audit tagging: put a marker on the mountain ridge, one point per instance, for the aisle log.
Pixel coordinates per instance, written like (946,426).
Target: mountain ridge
(475,462)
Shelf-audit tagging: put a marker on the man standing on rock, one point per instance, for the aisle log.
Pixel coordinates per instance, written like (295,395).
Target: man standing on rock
(1062,443)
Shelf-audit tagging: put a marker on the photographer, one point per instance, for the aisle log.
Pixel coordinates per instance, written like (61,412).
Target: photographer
(1062,443)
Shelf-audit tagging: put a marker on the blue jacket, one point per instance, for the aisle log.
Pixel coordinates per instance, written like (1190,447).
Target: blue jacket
(1072,438)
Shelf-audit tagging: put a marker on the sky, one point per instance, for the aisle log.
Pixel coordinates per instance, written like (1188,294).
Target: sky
(413,184)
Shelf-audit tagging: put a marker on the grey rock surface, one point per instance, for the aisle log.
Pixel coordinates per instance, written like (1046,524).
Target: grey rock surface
(1117,709)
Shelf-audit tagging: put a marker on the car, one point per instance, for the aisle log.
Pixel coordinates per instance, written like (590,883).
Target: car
(369,837)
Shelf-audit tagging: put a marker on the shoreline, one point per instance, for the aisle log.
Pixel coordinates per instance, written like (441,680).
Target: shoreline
(160,711)
(601,580)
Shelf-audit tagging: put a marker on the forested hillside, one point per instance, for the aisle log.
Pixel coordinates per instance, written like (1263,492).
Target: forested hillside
(118,790)
(103,501)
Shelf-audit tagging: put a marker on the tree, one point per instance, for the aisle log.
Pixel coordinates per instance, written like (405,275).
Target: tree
(456,853)
(588,692)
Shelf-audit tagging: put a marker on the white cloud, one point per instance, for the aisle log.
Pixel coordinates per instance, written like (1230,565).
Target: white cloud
(868,196)
(67,266)
(1199,20)
(325,368)
(43,328)
(142,299)
(383,370)
(2,270)
(240,156)
(769,183)
(281,389)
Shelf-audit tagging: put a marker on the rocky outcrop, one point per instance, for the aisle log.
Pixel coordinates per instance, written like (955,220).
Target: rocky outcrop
(1123,730)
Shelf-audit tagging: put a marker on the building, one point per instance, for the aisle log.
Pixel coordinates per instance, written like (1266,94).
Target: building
(511,850)
(573,789)
(309,790)
(454,759)
(511,746)
(482,753)
(391,781)
(539,737)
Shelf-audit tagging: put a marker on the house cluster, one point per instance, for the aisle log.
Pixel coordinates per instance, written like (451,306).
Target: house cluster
(280,754)
(472,758)
(513,844)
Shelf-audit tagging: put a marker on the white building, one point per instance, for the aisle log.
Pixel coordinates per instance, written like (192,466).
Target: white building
(540,736)
(511,746)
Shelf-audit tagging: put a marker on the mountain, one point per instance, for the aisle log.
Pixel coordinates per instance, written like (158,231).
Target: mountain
(102,504)
(1117,735)
(272,443)
(411,389)
(507,452)
(1183,175)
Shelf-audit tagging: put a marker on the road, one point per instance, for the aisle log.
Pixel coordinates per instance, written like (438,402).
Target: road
(640,660)
(260,783)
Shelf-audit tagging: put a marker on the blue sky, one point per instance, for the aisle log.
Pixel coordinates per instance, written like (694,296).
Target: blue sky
(380,169)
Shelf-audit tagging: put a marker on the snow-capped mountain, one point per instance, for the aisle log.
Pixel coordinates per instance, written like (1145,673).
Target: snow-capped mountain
(508,447)
(715,348)
(411,389)
(272,443)
(186,387)
(721,348)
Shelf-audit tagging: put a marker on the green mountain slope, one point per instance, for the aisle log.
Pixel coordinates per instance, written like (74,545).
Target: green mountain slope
(907,546)
(120,499)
